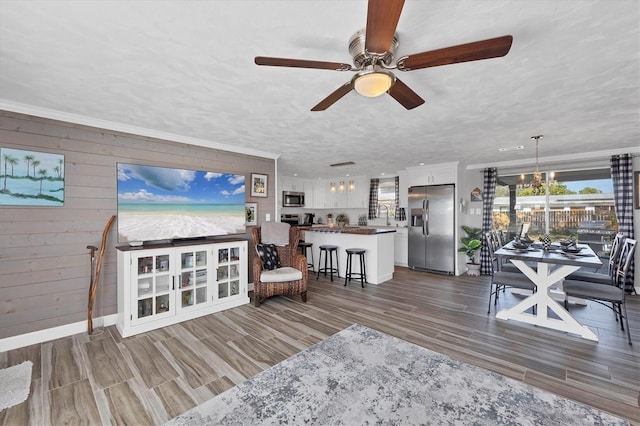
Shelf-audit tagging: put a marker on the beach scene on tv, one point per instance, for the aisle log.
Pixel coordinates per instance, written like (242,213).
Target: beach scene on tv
(160,203)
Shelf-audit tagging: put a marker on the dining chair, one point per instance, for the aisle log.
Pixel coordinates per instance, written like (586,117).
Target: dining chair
(497,235)
(505,265)
(613,292)
(614,260)
(491,238)
(500,280)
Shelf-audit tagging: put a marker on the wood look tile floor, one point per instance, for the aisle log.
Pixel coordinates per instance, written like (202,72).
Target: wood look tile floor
(152,377)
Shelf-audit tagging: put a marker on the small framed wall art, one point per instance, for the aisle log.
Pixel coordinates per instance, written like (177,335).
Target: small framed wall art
(258,185)
(251,214)
(31,178)
(476,194)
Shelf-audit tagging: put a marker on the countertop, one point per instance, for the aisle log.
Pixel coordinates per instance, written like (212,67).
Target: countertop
(358,230)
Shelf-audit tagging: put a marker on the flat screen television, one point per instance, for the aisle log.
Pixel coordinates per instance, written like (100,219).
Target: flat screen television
(161,203)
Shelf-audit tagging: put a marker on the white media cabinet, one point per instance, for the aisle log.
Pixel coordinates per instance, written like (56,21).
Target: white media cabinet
(165,284)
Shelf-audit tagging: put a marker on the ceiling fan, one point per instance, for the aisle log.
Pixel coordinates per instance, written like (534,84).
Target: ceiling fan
(373,51)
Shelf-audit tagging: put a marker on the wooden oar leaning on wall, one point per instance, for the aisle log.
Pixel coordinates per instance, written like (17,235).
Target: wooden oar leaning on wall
(95,275)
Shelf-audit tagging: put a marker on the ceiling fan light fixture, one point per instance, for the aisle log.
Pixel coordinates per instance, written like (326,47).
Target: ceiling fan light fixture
(373,83)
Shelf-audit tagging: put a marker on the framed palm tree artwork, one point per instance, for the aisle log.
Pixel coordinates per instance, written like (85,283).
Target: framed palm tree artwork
(31,178)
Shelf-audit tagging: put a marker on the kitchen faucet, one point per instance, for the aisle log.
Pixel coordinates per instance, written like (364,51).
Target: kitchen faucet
(387,209)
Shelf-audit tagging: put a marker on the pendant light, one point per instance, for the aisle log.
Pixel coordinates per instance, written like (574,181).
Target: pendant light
(536,182)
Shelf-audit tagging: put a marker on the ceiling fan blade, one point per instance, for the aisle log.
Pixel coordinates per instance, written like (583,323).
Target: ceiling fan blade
(334,97)
(485,49)
(301,63)
(382,20)
(404,95)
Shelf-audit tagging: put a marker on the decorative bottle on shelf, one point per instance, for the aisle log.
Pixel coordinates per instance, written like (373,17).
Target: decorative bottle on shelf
(546,242)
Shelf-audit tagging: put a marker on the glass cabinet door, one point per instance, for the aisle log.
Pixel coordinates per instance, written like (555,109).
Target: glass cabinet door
(153,287)
(228,274)
(193,278)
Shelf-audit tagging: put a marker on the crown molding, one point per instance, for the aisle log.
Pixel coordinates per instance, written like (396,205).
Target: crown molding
(568,159)
(126,128)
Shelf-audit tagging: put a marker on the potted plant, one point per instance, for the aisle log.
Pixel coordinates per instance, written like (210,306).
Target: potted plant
(342,219)
(470,245)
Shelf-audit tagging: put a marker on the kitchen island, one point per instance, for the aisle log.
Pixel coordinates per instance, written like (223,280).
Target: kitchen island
(378,242)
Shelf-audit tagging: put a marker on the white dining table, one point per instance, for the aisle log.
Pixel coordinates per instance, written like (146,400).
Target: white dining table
(552,267)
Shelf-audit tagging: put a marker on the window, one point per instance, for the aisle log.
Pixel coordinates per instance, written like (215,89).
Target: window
(387,197)
(579,204)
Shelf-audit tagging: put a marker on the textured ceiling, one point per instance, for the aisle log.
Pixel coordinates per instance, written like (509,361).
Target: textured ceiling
(186,68)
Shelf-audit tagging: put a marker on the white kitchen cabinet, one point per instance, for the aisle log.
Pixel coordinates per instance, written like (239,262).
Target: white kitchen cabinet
(443,175)
(439,176)
(401,247)
(358,193)
(288,183)
(167,284)
(320,194)
(337,198)
(309,192)
(436,174)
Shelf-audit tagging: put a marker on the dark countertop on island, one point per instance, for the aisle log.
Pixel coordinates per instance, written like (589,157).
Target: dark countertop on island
(351,230)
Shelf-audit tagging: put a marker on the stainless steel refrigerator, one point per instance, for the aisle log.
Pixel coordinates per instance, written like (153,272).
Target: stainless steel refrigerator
(432,243)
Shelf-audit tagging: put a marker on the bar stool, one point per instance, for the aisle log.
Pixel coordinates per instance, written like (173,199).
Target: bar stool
(303,246)
(363,270)
(328,251)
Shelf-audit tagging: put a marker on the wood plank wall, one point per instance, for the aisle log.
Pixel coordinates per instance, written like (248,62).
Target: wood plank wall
(44,260)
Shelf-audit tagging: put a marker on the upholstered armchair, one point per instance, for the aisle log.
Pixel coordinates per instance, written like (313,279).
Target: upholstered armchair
(290,278)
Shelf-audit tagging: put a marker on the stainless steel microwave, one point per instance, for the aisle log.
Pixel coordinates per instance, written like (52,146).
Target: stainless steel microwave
(292,199)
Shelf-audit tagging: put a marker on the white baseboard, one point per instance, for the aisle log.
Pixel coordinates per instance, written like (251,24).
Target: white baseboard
(66,330)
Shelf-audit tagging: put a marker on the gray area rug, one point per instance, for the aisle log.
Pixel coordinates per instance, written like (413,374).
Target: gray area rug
(15,383)
(362,376)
